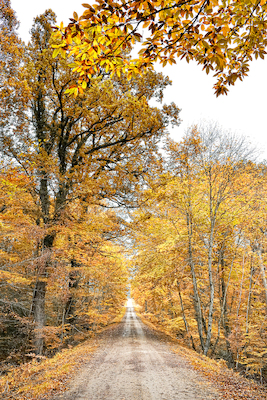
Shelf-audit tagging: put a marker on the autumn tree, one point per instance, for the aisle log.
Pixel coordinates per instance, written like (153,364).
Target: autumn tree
(92,149)
(221,36)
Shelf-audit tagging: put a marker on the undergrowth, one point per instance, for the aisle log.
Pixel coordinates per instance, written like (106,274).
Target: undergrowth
(40,380)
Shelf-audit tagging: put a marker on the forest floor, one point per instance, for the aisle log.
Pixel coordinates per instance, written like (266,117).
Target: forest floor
(130,361)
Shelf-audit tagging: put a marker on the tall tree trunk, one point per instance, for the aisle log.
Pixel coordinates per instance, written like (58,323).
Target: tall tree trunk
(74,277)
(38,311)
(184,317)
(38,302)
(38,307)
(241,288)
(249,295)
(263,275)
(197,304)
(212,289)
(224,312)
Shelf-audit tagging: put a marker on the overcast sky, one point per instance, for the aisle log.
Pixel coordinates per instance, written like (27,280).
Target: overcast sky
(243,110)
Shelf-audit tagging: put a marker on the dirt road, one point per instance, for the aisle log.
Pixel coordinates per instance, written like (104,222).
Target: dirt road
(133,364)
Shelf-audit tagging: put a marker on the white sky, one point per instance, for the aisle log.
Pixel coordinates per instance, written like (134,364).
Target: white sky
(243,110)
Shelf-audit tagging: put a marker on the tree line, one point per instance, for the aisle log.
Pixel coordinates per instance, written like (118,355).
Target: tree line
(200,242)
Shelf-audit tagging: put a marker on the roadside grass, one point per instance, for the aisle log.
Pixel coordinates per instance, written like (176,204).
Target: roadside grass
(40,380)
(230,384)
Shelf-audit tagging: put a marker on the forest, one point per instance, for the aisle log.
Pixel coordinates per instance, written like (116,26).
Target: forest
(96,200)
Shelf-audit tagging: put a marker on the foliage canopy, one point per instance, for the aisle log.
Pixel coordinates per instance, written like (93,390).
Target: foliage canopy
(221,35)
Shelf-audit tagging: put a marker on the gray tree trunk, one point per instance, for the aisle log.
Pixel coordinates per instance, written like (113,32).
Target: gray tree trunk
(38,310)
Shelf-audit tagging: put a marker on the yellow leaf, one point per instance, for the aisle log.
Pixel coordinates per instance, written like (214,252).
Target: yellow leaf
(62,53)
(55,53)
(146,24)
(69,39)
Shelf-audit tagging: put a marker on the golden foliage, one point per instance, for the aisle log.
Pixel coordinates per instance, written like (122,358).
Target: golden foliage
(200,242)
(221,36)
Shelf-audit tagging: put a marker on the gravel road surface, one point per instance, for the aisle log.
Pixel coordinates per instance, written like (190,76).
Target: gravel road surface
(132,363)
